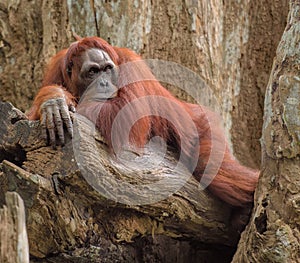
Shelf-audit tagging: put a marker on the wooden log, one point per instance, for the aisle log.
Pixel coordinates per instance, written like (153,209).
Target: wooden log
(79,196)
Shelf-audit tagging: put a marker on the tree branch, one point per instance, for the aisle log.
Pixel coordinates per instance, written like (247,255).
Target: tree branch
(78,195)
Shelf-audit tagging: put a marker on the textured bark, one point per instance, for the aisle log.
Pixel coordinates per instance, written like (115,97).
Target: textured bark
(273,233)
(82,222)
(13,235)
(229,44)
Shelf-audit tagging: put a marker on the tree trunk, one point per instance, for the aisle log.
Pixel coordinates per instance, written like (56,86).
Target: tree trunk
(273,233)
(229,45)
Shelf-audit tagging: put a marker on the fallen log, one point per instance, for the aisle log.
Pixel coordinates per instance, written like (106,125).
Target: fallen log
(82,202)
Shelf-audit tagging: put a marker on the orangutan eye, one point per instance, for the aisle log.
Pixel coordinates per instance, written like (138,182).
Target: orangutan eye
(93,71)
(108,67)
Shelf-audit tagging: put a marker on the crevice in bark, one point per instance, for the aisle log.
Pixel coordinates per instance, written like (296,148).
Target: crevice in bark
(16,155)
(261,222)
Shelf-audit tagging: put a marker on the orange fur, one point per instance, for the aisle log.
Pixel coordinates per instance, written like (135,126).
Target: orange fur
(233,183)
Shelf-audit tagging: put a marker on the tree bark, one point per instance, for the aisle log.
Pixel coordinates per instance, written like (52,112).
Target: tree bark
(13,235)
(273,233)
(229,44)
(74,196)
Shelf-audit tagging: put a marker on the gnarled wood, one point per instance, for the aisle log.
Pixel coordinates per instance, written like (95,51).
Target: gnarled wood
(75,216)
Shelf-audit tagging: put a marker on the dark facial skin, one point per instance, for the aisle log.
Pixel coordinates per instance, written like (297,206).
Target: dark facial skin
(98,76)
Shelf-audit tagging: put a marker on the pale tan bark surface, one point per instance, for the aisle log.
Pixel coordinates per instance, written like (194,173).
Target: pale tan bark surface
(273,233)
(13,234)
